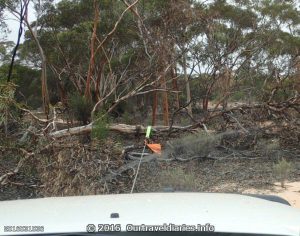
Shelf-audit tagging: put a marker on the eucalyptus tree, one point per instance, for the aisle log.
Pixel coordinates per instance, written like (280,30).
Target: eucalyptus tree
(280,21)
(20,9)
(3,25)
(246,38)
(167,32)
(107,50)
(65,32)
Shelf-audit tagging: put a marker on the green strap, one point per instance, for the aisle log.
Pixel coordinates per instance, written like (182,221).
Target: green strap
(148,131)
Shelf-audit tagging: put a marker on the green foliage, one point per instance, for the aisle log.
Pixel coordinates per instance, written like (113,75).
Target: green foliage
(2,21)
(27,81)
(81,108)
(7,92)
(238,96)
(243,18)
(282,170)
(127,118)
(232,33)
(5,51)
(198,86)
(100,129)
(247,36)
(7,103)
(65,33)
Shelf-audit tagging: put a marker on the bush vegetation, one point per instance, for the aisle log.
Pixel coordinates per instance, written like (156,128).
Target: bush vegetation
(100,127)
(178,180)
(81,108)
(199,144)
(281,170)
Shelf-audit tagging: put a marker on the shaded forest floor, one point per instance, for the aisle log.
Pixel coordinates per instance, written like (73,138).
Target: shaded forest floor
(225,159)
(230,175)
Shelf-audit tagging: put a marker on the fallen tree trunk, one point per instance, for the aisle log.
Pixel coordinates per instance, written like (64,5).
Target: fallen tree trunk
(122,128)
(140,129)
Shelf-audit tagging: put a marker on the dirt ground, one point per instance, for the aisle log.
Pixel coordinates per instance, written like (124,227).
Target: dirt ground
(228,176)
(253,174)
(203,175)
(291,192)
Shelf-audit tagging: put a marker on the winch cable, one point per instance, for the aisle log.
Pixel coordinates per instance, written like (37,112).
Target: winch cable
(137,171)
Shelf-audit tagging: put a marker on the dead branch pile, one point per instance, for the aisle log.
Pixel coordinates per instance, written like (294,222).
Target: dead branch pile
(78,169)
(69,167)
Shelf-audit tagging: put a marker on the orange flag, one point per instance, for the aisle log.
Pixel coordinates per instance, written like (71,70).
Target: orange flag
(155,147)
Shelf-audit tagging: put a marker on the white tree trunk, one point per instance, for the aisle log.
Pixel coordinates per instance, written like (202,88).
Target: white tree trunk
(123,128)
(187,85)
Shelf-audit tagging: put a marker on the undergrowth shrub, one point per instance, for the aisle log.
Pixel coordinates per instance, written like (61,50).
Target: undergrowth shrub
(281,170)
(81,108)
(200,144)
(9,112)
(179,180)
(268,147)
(100,127)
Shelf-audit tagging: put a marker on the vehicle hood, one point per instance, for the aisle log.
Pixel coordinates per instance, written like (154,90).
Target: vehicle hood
(226,212)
